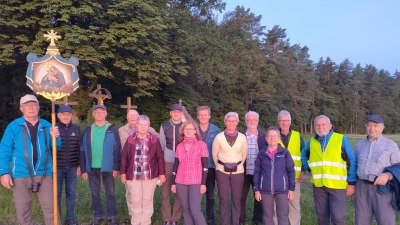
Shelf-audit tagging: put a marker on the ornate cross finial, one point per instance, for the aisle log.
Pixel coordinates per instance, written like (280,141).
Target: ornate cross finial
(180,101)
(52,36)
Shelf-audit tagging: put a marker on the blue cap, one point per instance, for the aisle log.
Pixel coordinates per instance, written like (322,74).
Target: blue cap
(99,107)
(176,107)
(374,118)
(65,108)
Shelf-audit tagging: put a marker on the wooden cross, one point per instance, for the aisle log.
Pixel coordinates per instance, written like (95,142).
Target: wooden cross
(180,101)
(128,105)
(65,102)
(52,36)
(99,95)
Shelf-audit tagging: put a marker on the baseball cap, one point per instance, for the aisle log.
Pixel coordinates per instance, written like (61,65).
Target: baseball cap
(28,98)
(99,107)
(374,118)
(64,108)
(176,107)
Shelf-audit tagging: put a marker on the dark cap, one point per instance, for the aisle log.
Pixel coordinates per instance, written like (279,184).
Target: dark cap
(176,107)
(374,118)
(64,108)
(99,107)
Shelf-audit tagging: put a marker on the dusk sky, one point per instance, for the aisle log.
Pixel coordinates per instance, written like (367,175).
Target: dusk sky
(364,31)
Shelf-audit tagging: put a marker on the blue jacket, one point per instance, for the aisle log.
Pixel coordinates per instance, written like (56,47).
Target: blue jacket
(393,185)
(12,152)
(111,150)
(347,155)
(212,132)
(274,176)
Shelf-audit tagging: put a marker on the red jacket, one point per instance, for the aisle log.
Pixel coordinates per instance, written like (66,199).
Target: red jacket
(156,157)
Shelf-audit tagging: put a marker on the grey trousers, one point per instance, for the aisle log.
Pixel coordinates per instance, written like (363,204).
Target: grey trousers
(23,198)
(224,183)
(282,208)
(166,198)
(330,205)
(190,199)
(368,203)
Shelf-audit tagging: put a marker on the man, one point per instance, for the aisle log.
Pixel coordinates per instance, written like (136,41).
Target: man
(124,133)
(374,154)
(294,142)
(68,161)
(100,160)
(255,141)
(333,167)
(26,148)
(169,139)
(208,131)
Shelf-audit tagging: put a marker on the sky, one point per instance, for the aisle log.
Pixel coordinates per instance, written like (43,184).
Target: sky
(364,31)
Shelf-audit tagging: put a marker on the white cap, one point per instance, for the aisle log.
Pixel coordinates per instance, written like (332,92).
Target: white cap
(28,98)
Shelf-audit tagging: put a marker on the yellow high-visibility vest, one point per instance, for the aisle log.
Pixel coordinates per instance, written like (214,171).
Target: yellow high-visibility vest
(295,151)
(328,168)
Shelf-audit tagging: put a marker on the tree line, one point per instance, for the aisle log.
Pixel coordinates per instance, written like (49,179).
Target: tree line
(161,51)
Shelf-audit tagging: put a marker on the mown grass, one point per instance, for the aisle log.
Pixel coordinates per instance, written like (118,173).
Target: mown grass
(84,210)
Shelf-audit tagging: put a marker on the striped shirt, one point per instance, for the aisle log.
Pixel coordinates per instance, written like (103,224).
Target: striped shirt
(374,156)
(252,152)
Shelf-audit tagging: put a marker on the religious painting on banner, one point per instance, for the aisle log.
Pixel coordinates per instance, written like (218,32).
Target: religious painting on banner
(51,75)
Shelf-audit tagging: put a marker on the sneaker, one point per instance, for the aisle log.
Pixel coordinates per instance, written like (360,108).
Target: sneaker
(112,221)
(166,223)
(174,223)
(128,220)
(211,222)
(71,222)
(97,221)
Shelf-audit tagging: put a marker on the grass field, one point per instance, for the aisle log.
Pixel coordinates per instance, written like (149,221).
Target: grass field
(84,210)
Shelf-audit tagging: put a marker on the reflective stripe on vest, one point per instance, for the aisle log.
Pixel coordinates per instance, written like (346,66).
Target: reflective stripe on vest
(328,168)
(295,151)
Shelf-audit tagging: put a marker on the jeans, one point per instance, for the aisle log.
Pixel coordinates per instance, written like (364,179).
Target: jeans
(210,185)
(109,186)
(69,175)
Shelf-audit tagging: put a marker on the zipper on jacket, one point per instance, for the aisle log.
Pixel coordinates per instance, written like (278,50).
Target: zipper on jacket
(272,174)
(284,183)
(67,149)
(262,177)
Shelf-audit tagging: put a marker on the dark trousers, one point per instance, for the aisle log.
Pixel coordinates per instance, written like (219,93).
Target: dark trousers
(257,210)
(69,176)
(234,182)
(190,199)
(330,205)
(210,185)
(282,208)
(368,203)
(109,186)
(166,193)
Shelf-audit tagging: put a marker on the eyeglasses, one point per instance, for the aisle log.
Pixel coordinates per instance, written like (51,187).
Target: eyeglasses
(189,129)
(273,136)
(283,121)
(231,121)
(251,121)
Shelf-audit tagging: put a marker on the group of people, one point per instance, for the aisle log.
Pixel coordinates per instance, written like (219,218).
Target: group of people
(187,159)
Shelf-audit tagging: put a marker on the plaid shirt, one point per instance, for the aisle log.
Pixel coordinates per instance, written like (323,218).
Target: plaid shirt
(141,168)
(252,152)
(374,156)
(190,168)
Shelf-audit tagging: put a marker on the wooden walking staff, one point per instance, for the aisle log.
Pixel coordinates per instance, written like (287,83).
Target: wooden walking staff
(53,77)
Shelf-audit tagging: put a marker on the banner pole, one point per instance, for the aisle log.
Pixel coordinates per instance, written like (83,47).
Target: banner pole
(54,154)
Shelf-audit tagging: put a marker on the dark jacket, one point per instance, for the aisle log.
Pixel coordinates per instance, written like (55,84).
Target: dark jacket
(68,155)
(274,176)
(261,142)
(111,150)
(393,185)
(156,158)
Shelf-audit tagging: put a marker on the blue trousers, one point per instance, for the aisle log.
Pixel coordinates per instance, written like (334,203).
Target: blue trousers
(95,176)
(69,176)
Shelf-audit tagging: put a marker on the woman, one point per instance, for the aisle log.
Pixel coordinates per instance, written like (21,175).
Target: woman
(229,153)
(189,174)
(142,164)
(274,178)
